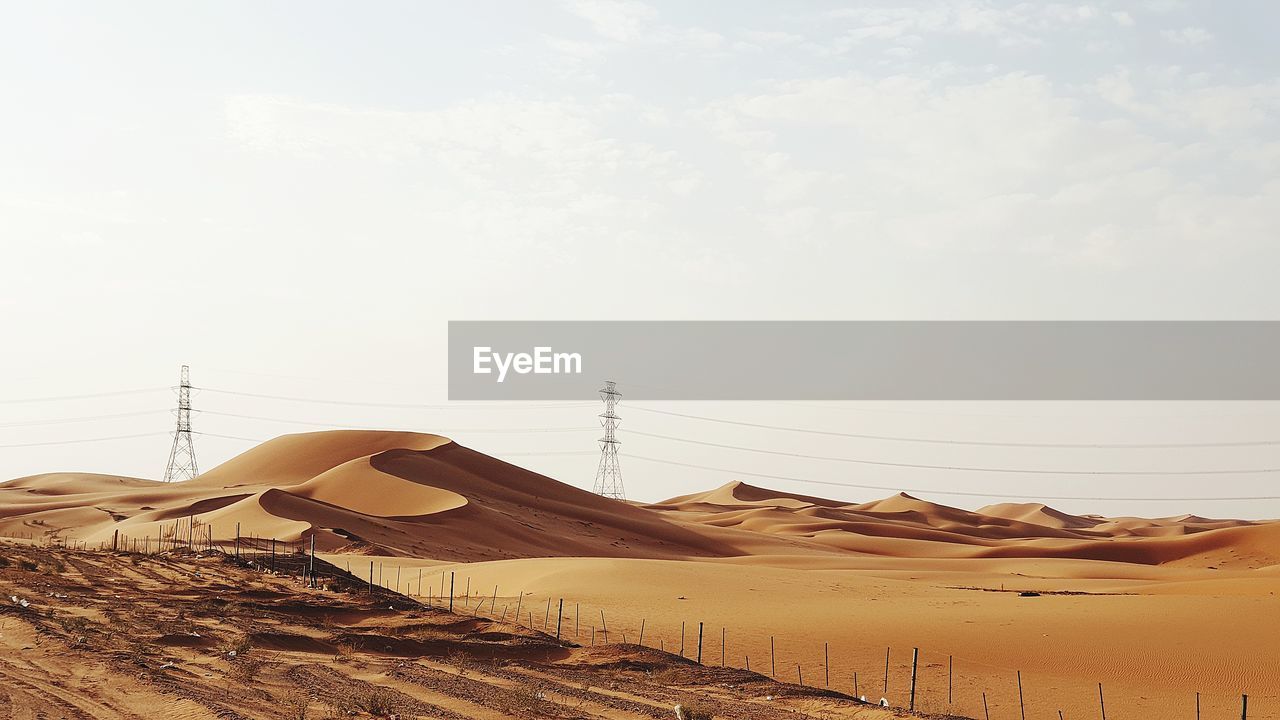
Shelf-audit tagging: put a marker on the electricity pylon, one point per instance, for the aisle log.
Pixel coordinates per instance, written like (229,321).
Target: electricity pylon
(182,458)
(609,474)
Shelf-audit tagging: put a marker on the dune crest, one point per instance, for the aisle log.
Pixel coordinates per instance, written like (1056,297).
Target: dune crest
(422,495)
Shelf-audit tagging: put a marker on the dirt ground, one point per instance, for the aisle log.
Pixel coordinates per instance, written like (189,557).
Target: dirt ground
(92,634)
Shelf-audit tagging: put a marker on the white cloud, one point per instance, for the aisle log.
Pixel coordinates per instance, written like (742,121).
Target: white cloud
(1009,164)
(513,172)
(1174,99)
(1188,36)
(629,22)
(621,20)
(1018,24)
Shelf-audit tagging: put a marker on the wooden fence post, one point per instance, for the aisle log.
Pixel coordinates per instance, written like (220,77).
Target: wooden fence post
(1022,708)
(604,626)
(949,659)
(559,613)
(451,596)
(641,630)
(1244,707)
(985,712)
(886,671)
(915,659)
(722,631)
(826,662)
(699,642)
(773,663)
(1102,703)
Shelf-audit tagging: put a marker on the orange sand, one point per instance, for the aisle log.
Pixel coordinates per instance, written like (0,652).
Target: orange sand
(1155,609)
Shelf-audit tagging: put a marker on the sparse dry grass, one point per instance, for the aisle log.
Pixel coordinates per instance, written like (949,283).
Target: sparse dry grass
(296,704)
(146,637)
(375,700)
(692,709)
(244,670)
(346,651)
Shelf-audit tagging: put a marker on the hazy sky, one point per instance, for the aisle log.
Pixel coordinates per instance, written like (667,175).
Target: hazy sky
(295,197)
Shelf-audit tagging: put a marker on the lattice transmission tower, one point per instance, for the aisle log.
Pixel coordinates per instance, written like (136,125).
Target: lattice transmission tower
(609,474)
(182,458)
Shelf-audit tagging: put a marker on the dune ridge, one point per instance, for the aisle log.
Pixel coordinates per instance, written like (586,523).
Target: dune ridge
(422,495)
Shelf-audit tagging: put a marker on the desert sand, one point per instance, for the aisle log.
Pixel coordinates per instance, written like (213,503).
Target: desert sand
(1156,610)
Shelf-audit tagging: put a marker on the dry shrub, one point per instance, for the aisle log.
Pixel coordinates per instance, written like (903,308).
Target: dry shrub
(244,670)
(240,647)
(373,699)
(691,709)
(460,660)
(346,651)
(75,624)
(666,676)
(296,704)
(139,649)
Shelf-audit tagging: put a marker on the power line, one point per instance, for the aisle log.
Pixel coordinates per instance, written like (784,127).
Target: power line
(85,418)
(227,437)
(409,406)
(84,440)
(495,454)
(371,427)
(842,407)
(961,468)
(976,443)
(501,455)
(87,395)
(940,492)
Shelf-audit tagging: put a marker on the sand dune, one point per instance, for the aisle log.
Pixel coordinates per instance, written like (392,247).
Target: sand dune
(1038,514)
(421,495)
(395,493)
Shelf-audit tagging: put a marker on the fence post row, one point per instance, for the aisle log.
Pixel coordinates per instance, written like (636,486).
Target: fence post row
(175,537)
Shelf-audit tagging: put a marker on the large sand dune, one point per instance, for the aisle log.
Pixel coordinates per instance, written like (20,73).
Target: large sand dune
(420,495)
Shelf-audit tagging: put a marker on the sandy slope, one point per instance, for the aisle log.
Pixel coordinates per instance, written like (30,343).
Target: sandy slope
(201,636)
(1154,608)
